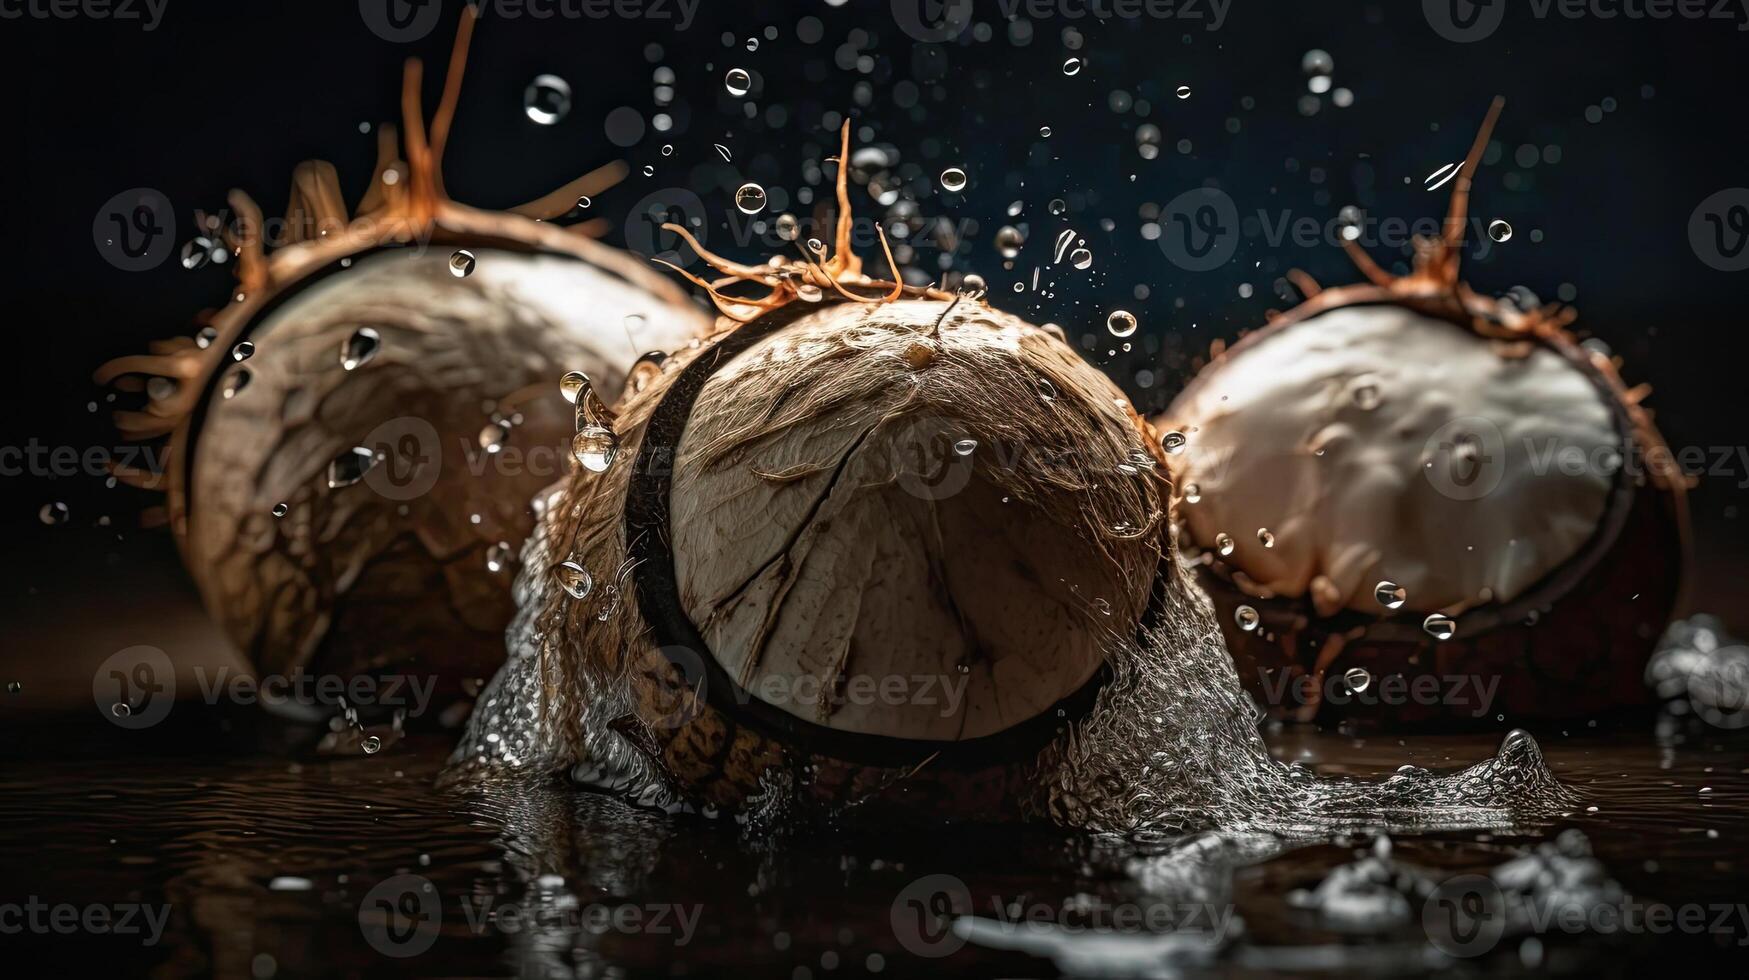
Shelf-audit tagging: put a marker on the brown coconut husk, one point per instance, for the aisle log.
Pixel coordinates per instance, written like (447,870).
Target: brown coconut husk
(1574,644)
(348,581)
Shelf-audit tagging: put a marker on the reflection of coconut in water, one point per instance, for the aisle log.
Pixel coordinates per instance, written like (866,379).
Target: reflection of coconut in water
(354,440)
(1428,492)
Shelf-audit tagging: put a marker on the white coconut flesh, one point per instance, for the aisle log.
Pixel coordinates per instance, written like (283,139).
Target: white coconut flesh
(1373,443)
(856,570)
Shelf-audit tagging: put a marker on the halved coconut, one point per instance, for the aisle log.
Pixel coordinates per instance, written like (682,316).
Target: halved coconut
(1418,502)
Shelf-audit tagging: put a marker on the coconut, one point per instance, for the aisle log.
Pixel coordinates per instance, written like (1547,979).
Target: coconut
(353,441)
(1424,503)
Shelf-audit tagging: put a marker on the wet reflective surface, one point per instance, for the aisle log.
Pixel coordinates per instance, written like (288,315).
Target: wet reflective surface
(257,857)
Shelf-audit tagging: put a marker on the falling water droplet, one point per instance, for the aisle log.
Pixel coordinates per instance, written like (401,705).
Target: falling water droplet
(1440,626)
(750,198)
(965,447)
(953,179)
(1246,617)
(243,351)
(53,513)
(1183,92)
(1044,132)
(235,382)
(1192,493)
(723,152)
(1357,679)
(738,82)
(350,467)
(573,384)
(281,509)
(1057,206)
(1500,231)
(547,99)
(498,557)
(371,745)
(1390,594)
(461,263)
(573,578)
(492,436)
(1081,258)
(205,337)
(1266,537)
(1072,66)
(973,286)
(594,446)
(120,709)
(360,348)
(1121,323)
(1008,241)
(1367,398)
(196,253)
(1174,442)
(1224,544)
(787,227)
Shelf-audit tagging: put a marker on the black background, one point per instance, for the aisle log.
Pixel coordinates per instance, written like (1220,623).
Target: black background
(224,95)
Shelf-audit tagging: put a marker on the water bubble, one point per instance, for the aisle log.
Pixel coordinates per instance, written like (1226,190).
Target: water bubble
(573,578)
(1500,231)
(738,82)
(817,247)
(1044,132)
(53,513)
(1072,66)
(243,351)
(953,179)
(1440,626)
(753,44)
(787,227)
(667,149)
(350,467)
(1121,323)
(973,286)
(1174,442)
(1008,241)
(1192,493)
(1390,594)
(360,348)
(1224,544)
(234,382)
(1357,679)
(594,446)
(1246,617)
(547,99)
(1057,206)
(573,384)
(965,447)
(461,263)
(1266,537)
(120,709)
(371,745)
(498,557)
(750,198)
(1081,258)
(281,509)
(1183,92)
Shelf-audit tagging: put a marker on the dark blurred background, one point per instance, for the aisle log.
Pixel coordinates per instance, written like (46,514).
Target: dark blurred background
(1618,138)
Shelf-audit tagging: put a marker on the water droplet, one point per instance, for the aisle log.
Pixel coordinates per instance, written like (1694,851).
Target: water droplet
(1266,537)
(573,578)
(738,82)
(595,446)
(1081,258)
(371,745)
(1440,626)
(1183,92)
(723,152)
(281,509)
(1246,617)
(350,467)
(1367,398)
(205,337)
(584,202)
(1500,231)
(196,253)
(753,44)
(973,286)
(817,247)
(1072,66)
(1044,132)
(492,436)
(1390,594)
(750,198)
(1121,323)
(1008,241)
(498,557)
(1317,62)
(953,179)
(807,292)
(360,348)
(1224,544)
(965,447)
(461,263)
(1174,442)
(120,709)
(1192,493)
(1057,206)
(13,687)
(235,382)
(787,227)
(547,99)
(243,351)
(158,389)
(1357,679)
(667,149)
(53,513)
(573,384)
